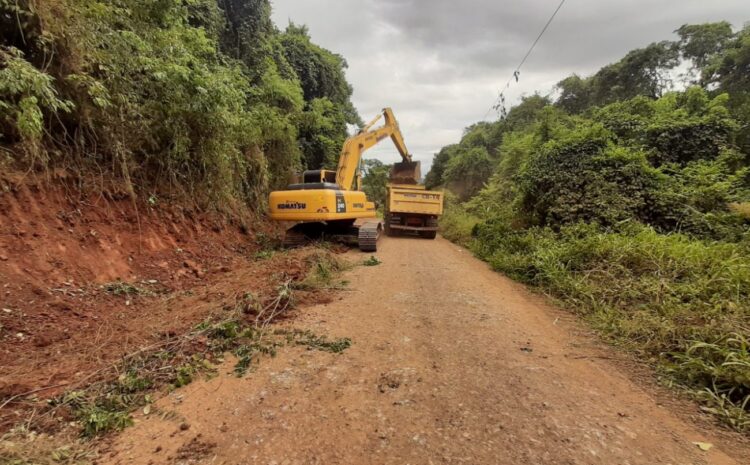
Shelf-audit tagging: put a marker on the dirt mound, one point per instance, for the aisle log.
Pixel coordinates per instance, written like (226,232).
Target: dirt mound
(85,280)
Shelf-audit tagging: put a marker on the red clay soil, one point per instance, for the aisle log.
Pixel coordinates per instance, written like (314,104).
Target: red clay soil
(59,325)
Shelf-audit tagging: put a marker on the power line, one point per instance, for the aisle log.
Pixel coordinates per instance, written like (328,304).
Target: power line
(500,101)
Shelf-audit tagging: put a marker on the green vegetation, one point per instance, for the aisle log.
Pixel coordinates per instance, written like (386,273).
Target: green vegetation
(196,99)
(372,261)
(376,176)
(324,269)
(107,406)
(246,332)
(124,288)
(628,202)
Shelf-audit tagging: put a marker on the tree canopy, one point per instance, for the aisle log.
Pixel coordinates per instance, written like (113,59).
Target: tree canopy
(622,144)
(199,97)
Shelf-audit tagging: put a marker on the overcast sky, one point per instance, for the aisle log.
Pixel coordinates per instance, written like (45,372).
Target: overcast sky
(440,63)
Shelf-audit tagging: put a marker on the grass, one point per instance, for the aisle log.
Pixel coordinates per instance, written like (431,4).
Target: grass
(742,209)
(264,254)
(722,367)
(457,225)
(323,271)
(124,288)
(372,261)
(23,447)
(106,406)
(677,302)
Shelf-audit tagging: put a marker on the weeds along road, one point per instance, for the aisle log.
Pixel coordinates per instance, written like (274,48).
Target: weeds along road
(450,363)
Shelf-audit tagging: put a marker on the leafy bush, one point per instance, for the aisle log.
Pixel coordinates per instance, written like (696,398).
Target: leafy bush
(200,98)
(26,94)
(457,224)
(583,176)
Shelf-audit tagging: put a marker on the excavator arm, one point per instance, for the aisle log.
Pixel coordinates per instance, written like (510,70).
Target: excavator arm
(349,169)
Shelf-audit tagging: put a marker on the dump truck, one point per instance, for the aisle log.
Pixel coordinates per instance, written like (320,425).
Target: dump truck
(410,208)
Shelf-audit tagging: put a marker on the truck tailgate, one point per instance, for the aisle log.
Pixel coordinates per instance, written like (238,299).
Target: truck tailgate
(413,199)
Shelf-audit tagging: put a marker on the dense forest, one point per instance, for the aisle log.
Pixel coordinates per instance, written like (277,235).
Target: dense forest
(626,195)
(198,99)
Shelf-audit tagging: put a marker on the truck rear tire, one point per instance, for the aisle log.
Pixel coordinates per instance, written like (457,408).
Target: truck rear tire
(431,222)
(428,234)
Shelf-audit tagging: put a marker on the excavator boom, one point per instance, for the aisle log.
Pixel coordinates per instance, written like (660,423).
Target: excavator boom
(349,169)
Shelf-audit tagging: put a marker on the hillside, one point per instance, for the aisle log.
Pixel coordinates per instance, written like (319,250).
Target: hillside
(205,101)
(138,143)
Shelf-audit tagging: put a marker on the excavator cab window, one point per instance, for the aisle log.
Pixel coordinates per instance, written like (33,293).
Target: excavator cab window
(318,176)
(316,179)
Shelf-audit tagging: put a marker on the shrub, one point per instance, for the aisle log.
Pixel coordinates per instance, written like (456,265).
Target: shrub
(679,301)
(582,176)
(180,97)
(457,224)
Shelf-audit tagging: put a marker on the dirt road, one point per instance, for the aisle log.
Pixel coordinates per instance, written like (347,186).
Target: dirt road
(450,363)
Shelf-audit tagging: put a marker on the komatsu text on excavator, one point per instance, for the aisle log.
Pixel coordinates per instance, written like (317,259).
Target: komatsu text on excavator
(330,204)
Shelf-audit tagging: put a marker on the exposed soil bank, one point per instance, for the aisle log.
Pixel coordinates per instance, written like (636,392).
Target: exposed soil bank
(86,280)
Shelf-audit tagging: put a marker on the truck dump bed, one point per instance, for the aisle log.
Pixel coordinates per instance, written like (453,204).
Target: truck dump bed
(414,199)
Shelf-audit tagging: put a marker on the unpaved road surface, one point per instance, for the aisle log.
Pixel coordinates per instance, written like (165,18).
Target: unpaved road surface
(450,363)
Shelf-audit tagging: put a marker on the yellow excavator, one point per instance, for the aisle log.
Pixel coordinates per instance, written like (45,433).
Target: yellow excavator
(330,204)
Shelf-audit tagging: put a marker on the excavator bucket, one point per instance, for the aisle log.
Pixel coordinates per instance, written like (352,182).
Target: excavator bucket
(407,172)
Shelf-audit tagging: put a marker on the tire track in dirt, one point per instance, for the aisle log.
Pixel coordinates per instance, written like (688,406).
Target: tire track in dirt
(451,363)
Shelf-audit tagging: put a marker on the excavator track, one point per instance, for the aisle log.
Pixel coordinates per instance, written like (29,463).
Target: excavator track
(294,238)
(365,236)
(368,235)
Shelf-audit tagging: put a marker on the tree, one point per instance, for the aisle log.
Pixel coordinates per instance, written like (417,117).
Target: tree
(701,43)
(644,71)
(321,72)
(375,178)
(730,72)
(525,113)
(190,97)
(730,66)
(247,32)
(322,132)
(575,94)
(439,163)
(466,173)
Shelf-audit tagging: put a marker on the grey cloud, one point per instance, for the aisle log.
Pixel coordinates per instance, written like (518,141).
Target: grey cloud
(440,63)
